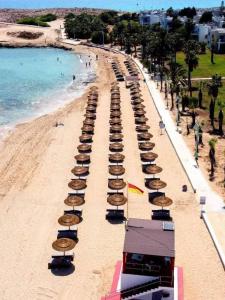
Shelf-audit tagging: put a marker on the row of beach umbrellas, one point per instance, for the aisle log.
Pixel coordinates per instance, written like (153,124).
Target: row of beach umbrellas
(131,67)
(116,146)
(146,146)
(117,70)
(67,239)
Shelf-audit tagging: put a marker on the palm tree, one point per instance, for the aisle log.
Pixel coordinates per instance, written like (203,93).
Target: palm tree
(176,74)
(213,91)
(220,118)
(212,152)
(191,50)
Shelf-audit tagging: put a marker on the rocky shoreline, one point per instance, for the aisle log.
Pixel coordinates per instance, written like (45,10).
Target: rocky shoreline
(12,15)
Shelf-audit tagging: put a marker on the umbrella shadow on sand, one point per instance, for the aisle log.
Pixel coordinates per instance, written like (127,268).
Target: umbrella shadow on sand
(64,272)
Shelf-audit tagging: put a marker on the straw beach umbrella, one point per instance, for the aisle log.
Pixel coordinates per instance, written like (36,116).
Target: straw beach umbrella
(116,170)
(115,121)
(117,200)
(141,120)
(116,129)
(115,114)
(91,108)
(89,122)
(87,129)
(148,156)
(116,158)
(139,113)
(152,169)
(146,146)
(86,138)
(82,158)
(74,200)
(63,245)
(156,184)
(84,148)
(90,115)
(146,136)
(142,128)
(162,201)
(80,171)
(69,220)
(116,184)
(117,147)
(77,184)
(117,137)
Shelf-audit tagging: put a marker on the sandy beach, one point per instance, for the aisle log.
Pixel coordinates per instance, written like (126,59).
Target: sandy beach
(35,169)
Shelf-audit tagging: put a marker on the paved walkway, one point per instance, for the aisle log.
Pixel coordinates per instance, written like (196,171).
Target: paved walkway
(199,183)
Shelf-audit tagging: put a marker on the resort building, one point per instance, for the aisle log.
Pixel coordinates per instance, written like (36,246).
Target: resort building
(217,37)
(151,18)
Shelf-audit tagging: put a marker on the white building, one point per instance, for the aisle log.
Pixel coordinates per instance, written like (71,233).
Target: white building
(151,18)
(202,32)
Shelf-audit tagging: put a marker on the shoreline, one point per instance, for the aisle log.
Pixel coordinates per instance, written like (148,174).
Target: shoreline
(7,129)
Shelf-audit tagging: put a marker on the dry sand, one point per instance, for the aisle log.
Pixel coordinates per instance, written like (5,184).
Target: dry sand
(35,164)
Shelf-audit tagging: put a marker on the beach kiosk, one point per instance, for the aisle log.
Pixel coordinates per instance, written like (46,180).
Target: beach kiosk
(148,260)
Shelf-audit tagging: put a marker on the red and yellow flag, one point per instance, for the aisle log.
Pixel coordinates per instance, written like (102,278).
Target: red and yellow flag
(134,189)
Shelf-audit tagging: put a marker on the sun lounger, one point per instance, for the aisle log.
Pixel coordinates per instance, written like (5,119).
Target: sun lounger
(115,214)
(161,214)
(61,261)
(70,234)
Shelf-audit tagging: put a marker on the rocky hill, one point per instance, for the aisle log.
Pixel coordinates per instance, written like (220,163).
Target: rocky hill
(12,15)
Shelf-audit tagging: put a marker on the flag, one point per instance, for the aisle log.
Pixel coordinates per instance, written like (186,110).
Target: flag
(134,189)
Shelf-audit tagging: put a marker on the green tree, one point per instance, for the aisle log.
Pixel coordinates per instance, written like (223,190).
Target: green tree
(206,17)
(191,50)
(212,156)
(213,91)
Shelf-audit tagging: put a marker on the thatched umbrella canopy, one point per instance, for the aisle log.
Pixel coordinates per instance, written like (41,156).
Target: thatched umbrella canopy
(69,220)
(139,113)
(91,108)
(115,97)
(116,128)
(80,171)
(162,201)
(87,129)
(156,184)
(83,148)
(82,158)
(115,114)
(89,122)
(77,184)
(117,147)
(137,101)
(90,115)
(92,102)
(116,184)
(135,85)
(117,137)
(115,102)
(117,200)
(115,92)
(93,98)
(115,107)
(141,120)
(116,157)
(115,121)
(145,136)
(142,128)
(63,245)
(85,138)
(146,146)
(138,107)
(116,170)
(148,156)
(74,200)
(152,169)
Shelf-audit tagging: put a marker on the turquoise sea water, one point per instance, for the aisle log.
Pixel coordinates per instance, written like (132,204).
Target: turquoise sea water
(34,81)
(130,5)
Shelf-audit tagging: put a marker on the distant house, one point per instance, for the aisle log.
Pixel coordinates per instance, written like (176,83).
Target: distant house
(151,18)
(217,37)
(201,33)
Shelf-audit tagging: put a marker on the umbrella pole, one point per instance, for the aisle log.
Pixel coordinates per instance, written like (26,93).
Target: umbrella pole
(127,204)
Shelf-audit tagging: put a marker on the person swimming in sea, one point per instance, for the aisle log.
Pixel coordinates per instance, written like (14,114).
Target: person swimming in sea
(74,77)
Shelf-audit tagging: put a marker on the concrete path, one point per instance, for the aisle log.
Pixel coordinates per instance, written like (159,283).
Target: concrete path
(199,183)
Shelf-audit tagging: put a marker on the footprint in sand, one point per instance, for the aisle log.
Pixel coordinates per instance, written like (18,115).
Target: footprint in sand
(46,293)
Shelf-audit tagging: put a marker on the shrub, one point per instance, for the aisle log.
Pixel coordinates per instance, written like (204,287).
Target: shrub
(48,18)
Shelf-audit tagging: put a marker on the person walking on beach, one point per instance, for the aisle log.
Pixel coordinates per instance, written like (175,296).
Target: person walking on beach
(86,64)
(74,77)
(96,56)
(89,63)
